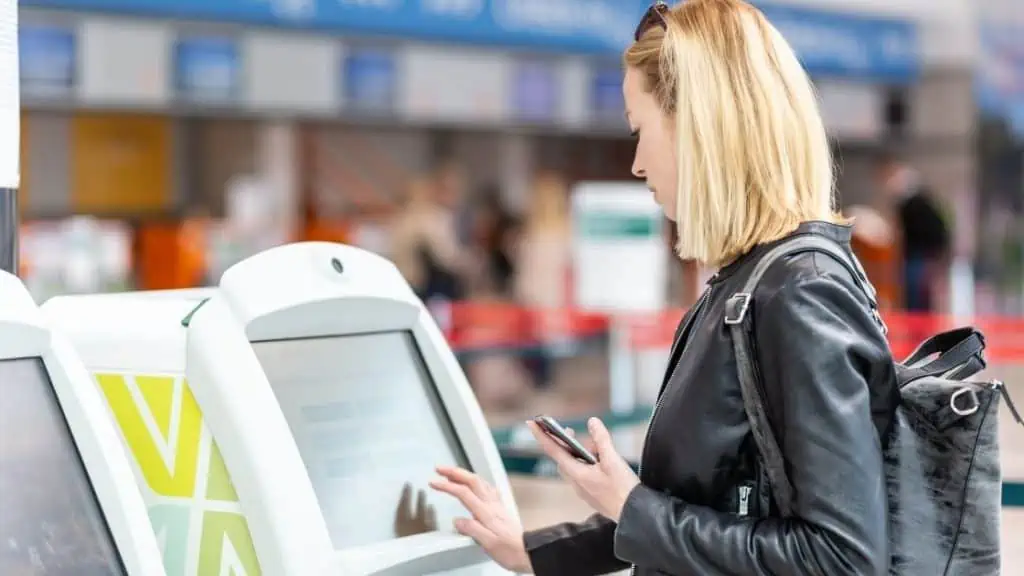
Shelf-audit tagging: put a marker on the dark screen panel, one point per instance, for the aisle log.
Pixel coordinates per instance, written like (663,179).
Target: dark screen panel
(50,521)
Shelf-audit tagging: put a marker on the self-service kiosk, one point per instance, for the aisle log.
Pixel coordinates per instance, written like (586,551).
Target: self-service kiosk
(68,504)
(133,345)
(321,394)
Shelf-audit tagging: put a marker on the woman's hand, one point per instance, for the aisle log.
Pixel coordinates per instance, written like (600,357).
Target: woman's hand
(491,526)
(605,485)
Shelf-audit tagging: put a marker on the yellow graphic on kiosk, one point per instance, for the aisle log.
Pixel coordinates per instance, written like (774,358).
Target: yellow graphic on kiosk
(193,506)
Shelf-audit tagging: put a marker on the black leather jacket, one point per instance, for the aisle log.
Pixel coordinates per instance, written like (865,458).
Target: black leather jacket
(704,507)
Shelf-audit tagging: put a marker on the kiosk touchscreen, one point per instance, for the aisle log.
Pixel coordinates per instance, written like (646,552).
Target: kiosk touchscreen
(300,408)
(68,504)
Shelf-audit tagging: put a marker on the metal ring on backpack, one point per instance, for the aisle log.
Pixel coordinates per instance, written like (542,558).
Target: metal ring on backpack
(975,406)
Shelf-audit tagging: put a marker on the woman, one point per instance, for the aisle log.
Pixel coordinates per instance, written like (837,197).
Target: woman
(731,143)
(492,228)
(499,381)
(544,247)
(544,258)
(424,246)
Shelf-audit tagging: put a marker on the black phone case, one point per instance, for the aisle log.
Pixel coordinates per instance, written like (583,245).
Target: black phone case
(552,428)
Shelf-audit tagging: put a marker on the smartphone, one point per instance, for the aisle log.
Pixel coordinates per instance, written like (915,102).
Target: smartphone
(552,428)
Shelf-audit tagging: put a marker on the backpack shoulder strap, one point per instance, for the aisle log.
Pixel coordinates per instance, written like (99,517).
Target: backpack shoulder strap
(737,319)
(796,245)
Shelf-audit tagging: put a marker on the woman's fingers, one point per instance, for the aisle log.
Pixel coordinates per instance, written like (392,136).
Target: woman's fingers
(478,485)
(554,449)
(466,496)
(588,443)
(476,495)
(477,531)
(490,525)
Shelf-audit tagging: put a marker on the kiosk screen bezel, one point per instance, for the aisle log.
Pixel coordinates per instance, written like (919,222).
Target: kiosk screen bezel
(49,395)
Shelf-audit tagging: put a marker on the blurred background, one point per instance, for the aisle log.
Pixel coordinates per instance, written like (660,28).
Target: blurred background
(164,140)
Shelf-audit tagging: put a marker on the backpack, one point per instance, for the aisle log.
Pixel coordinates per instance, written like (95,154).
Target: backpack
(942,460)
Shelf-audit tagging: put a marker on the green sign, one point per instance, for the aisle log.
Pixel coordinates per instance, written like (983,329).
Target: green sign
(611,225)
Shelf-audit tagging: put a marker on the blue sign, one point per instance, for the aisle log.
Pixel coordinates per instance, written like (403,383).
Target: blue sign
(999,75)
(535,91)
(828,43)
(594,26)
(207,69)
(606,100)
(370,80)
(46,56)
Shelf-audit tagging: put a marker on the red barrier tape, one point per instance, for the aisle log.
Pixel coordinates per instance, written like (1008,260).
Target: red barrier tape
(488,325)
(474,325)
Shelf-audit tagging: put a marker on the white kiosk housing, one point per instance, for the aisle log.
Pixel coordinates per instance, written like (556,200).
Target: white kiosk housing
(68,503)
(331,394)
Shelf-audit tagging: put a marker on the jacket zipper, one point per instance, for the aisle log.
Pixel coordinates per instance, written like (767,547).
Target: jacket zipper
(744,501)
(699,307)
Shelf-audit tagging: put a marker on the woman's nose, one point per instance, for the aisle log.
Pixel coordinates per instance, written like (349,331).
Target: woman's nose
(637,170)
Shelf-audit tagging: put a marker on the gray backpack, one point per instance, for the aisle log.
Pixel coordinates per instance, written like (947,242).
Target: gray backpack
(942,461)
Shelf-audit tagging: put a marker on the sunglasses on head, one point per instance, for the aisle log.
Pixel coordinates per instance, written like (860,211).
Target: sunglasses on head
(655,16)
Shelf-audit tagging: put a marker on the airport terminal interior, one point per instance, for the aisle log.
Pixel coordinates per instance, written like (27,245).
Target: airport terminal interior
(266,265)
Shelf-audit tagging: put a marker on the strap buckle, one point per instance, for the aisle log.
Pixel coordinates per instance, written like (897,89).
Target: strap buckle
(973,406)
(736,308)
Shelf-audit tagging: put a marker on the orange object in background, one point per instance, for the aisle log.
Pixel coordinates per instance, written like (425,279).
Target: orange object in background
(174,254)
(193,246)
(326,231)
(876,244)
(120,164)
(24,261)
(880,264)
(171,254)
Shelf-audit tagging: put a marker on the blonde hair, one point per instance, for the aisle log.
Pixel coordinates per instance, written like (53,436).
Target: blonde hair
(754,161)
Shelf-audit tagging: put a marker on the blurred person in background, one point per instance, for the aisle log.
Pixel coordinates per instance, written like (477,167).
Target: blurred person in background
(451,186)
(875,242)
(491,244)
(733,147)
(870,226)
(543,265)
(450,180)
(425,248)
(499,379)
(925,236)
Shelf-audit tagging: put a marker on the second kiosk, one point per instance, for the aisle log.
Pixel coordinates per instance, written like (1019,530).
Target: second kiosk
(68,503)
(301,408)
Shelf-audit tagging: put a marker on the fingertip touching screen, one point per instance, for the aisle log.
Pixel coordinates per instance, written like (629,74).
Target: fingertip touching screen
(50,520)
(371,428)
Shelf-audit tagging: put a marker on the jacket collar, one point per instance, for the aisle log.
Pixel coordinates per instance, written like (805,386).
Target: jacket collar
(839,233)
